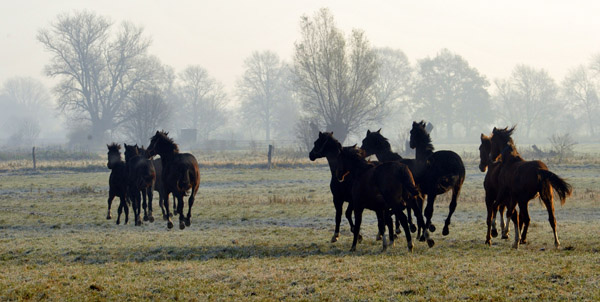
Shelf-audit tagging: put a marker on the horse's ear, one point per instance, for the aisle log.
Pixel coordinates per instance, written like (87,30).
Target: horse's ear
(379,130)
(482,135)
(368,131)
(320,134)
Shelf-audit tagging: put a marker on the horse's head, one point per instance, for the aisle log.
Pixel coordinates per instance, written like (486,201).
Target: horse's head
(324,145)
(484,152)
(114,154)
(500,139)
(374,142)
(419,134)
(131,151)
(349,159)
(161,143)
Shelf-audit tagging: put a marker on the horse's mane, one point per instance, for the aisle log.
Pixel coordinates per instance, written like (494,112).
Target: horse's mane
(381,140)
(162,138)
(329,135)
(510,152)
(114,147)
(504,134)
(356,155)
(422,137)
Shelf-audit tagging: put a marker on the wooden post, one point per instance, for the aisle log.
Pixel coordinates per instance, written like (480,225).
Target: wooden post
(270,155)
(33,155)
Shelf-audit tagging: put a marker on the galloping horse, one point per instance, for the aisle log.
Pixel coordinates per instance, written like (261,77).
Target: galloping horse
(490,184)
(140,176)
(520,181)
(180,173)
(329,147)
(436,172)
(385,188)
(117,182)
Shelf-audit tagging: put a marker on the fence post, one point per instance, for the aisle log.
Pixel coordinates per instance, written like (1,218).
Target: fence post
(33,155)
(270,155)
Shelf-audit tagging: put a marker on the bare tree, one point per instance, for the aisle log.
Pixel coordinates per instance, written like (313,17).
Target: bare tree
(562,145)
(147,113)
(263,92)
(581,94)
(335,77)
(527,98)
(98,67)
(452,92)
(203,100)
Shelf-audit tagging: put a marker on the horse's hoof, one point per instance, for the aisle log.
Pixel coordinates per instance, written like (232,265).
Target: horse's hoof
(410,246)
(504,236)
(488,242)
(118,222)
(379,236)
(494,233)
(413,228)
(523,241)
(165,217)
(170,225)
(360,238)
(422,238)
(170,214)
(146,218)
(395,236)
(181,225)
(515,245)
(398,231)
(432,228)
(188,222)
(445,231)
(335,237)
(353,249)
(430,242)
(151,218)
(108,217)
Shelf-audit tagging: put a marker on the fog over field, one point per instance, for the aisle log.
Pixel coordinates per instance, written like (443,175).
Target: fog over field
(463,66)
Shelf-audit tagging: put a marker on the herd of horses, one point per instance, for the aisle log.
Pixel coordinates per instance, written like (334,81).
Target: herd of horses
(390,186)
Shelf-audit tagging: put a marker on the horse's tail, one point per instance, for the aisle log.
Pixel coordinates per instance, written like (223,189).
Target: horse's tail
(563,189)
(183,183)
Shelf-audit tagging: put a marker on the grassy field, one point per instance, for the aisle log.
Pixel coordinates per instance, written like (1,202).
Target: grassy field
(263,235)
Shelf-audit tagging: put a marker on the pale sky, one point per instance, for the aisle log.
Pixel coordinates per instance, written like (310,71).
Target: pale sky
(493,36)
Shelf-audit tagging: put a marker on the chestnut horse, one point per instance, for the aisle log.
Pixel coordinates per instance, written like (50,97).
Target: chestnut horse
(520,181)
(435,172)
(490,184)
(117,182)
(180,173)
(385,188)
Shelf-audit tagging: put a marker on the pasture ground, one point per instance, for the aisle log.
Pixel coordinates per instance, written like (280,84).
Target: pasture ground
(261,235)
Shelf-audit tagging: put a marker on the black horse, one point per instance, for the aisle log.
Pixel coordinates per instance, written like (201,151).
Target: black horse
(436,172)
(180,173)
(117,182)
(140,176)
(159,187)
(329,147)
(386,188)
(375,143)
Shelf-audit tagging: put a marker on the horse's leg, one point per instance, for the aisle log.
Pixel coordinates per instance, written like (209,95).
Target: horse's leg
(150,194)
(428,213)
(126,206)
(188,218)
(168,215)
(452,207)
(349,210)
(398,230)
(338,204)
(111,196)
(404,222)
(492,209)
(357,221)
(504,225)
(144,203)
(413,227)
(180,211)
(381,217)
(161,203)
(524,219)
(515,218)
(389,221)
(120,209)
(490,223)
(549,203)
(420,222)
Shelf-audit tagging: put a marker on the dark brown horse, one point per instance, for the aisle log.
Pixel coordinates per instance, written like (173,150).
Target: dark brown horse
(385,188)
(375,143)
(490,184)
(329,147)
(435,172)
(180,173)
(117,182)
(520,181)
(159,186)
(140,176)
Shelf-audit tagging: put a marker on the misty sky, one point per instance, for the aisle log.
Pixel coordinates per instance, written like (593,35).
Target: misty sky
(493,36)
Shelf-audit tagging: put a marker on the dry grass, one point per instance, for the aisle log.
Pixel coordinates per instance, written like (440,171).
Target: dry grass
(264,235)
